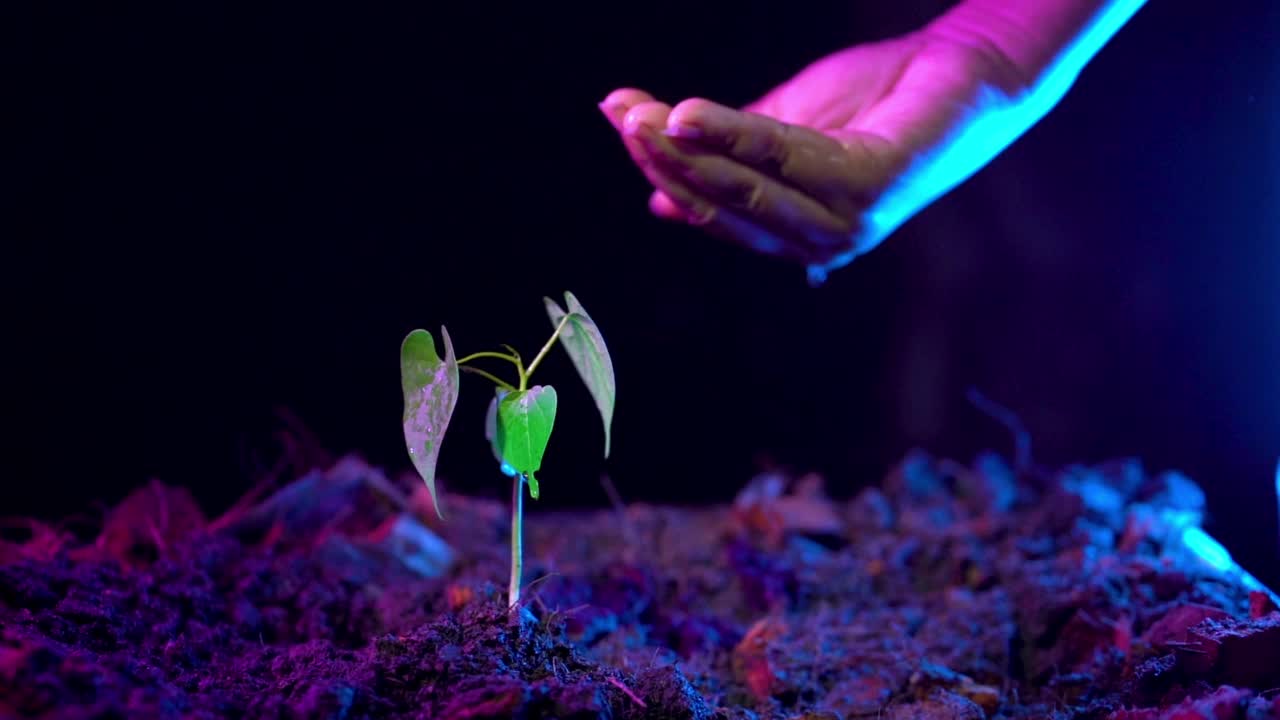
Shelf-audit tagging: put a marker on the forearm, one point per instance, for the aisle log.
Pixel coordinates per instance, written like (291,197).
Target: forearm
(1046,42)
(953,111)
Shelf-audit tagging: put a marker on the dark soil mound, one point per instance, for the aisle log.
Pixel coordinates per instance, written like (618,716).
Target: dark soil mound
(947,592)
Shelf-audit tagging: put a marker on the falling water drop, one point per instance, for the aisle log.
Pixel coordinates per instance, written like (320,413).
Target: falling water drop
(817,275)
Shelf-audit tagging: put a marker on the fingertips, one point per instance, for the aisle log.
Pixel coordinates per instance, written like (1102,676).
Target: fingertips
(679,202)
(699,119)
(640,119)
(645,110)
(724,225)
(701,187)
(742,189)
(651,114)
(797,156)
(639,133)
(676,203)
(626,96)
(617,103)
(661,205)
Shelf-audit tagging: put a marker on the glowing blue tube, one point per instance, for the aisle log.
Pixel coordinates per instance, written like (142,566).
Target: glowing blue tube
(1194,541)
(996,121)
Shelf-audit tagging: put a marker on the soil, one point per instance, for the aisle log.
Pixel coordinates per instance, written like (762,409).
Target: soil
(946,591)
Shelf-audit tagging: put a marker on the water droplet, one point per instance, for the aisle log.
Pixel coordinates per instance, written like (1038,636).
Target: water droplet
(817,275)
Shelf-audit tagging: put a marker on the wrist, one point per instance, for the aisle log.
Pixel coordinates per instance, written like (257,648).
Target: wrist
(1041,45)
(983,46)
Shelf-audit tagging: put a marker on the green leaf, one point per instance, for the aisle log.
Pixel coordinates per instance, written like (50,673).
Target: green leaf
(525,419)
(491,431)
(430,387)
(585,345)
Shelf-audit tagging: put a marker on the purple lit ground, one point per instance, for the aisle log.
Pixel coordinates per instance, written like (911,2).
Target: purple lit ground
(946,592)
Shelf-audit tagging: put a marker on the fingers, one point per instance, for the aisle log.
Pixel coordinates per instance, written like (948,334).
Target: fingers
(663,206)
(783,211)
(620,102)
(675,200)
(725,198)
(816,163)
(677,203)
(680,200)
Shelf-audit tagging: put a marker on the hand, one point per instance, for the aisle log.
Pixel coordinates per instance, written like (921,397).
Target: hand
(824,167)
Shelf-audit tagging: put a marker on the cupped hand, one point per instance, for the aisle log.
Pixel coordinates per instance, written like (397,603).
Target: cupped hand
(822,168)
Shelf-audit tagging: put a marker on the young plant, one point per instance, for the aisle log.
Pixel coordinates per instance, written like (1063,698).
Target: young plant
(520,416)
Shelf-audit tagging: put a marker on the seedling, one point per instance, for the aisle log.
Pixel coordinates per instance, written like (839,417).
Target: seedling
(520,416)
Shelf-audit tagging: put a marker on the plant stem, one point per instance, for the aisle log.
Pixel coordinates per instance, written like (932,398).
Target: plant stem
(490,354)
(517,523)
(494,378)
(515,354)
(524,377)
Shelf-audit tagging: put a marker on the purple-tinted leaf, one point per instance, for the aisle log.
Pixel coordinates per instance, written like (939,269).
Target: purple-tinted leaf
(430,387)
(585,345)
(491,431)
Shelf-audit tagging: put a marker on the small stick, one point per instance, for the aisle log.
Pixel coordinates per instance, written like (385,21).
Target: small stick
(1006,417)
(612,492)
(241,507)
(331,527)
(303,442)
(626,690)
(529,588)
(628,528)
(156,537)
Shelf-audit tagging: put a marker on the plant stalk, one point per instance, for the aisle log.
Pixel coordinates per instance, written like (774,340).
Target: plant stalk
(524,377)
(490,376)
(517,527)
(513,359)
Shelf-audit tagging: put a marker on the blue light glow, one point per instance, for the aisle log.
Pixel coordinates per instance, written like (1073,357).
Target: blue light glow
(995,123)
(1207,549)
(1203,547)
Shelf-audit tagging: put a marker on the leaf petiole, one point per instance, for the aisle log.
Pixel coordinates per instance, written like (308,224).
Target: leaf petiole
(524,377)
(491,377)
(519,364)
(513,359)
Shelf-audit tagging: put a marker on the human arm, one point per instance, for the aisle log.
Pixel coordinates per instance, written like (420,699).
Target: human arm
(827,165)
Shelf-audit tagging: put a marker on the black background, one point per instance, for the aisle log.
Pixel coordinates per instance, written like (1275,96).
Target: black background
(221,211)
